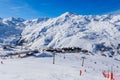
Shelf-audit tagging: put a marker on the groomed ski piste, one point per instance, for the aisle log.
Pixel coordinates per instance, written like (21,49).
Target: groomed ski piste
(67,67)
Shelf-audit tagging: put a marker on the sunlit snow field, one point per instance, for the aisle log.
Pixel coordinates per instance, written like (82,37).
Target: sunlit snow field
(41,68)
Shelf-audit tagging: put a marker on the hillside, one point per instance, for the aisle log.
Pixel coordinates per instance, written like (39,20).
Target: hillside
(11,29)
(96,33)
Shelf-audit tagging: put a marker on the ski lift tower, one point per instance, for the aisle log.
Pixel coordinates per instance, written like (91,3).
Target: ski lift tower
(53,53)
(83,58)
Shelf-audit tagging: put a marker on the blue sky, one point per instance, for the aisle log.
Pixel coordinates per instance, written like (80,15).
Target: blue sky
(29,9)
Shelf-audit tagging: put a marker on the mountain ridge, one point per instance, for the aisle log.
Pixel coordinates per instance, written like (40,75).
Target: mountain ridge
(72,30)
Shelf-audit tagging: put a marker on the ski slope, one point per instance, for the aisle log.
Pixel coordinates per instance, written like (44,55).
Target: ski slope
(40,67)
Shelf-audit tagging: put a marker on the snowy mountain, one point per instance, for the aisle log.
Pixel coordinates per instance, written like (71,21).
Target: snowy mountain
(11,28)
(98,34)
(94,33)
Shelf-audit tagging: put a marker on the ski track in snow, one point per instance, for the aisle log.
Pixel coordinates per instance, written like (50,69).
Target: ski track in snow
(64,69)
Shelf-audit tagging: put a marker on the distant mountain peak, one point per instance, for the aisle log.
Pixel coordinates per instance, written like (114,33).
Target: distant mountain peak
(37,20)
(66,14)
(14,19)
(9,18)
(20,19)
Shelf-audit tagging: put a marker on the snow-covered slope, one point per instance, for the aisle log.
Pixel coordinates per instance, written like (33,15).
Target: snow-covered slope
(94,33)
(64,69)
(11,28)
(72,30)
